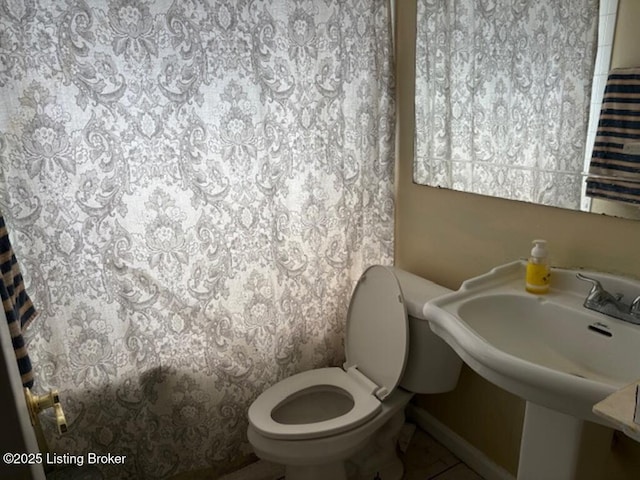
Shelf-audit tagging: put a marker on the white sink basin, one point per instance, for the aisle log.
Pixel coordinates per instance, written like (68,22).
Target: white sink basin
(547,349)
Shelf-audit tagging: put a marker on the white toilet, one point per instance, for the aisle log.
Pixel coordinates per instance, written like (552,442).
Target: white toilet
(343,423)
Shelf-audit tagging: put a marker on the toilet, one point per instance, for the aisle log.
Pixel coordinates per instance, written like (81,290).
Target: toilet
(343,423)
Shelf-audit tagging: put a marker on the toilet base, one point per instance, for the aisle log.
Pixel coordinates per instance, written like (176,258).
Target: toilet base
(359,454)
(378,459)
(391,470)
(334,471)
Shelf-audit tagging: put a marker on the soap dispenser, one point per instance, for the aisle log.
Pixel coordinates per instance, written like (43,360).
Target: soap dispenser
(538,272)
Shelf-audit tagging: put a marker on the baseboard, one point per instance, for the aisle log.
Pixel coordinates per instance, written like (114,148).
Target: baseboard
(478,461)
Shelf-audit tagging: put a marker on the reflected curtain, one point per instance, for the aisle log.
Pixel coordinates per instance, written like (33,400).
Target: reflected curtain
(502,97)
(193,189)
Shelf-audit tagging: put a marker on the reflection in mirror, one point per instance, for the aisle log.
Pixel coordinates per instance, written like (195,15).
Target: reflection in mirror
(614,170)
(504,93)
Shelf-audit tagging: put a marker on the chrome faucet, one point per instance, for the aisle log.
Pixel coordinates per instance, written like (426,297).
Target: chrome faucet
(601,301)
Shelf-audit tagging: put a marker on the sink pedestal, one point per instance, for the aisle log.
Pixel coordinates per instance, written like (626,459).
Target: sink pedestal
(548,350)
(555,445)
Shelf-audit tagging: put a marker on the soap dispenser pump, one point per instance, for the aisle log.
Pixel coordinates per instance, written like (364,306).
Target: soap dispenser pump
(538,275)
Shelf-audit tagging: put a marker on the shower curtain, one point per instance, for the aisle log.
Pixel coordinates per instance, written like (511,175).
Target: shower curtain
(192,189)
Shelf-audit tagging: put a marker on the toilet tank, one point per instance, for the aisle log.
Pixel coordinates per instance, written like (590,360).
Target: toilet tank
(432,365)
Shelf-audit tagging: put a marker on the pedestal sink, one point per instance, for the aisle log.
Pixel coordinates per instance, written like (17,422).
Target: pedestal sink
(547,349)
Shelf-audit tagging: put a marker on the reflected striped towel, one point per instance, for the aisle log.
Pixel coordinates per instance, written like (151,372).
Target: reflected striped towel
(614,172)
(17,305)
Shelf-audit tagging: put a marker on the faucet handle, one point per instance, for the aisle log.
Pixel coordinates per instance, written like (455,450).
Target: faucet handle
(597,294)
(634,309)
(596,284)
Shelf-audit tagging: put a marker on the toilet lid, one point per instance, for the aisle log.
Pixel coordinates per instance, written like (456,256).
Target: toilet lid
(377,335)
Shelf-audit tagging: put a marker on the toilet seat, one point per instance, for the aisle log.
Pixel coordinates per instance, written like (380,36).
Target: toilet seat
(377,339)
(365,405)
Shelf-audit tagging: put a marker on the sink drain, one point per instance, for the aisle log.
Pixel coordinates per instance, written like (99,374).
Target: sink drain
(600,328)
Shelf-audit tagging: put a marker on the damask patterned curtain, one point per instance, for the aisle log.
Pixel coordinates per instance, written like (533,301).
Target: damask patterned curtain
(502,96)
(192,188)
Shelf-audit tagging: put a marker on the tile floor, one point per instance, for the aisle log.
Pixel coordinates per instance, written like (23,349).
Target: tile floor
(427,459)
(423,456)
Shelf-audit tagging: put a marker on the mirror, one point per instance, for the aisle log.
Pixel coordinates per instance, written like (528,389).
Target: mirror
(502,101)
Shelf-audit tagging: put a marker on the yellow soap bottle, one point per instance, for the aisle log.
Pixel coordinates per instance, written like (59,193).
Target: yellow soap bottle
(538,275)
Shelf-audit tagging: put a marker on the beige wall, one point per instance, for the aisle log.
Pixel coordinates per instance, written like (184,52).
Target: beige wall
(449,236)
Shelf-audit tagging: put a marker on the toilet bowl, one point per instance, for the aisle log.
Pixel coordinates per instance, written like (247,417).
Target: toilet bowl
(343,423)
(313,404)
